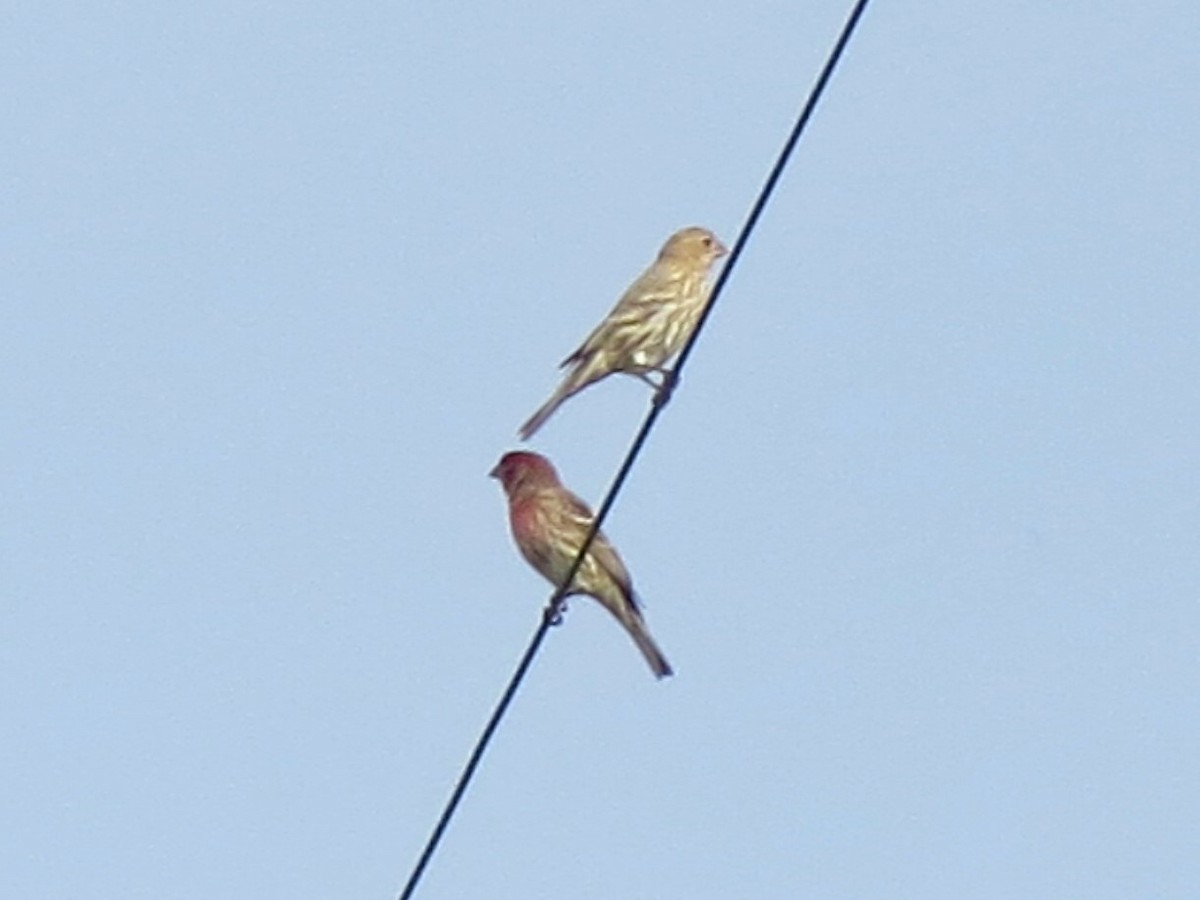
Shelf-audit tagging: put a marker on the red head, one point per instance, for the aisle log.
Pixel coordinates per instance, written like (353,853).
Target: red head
(521,469)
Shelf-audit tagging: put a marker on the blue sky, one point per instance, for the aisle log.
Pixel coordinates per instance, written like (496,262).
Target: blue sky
(918,532)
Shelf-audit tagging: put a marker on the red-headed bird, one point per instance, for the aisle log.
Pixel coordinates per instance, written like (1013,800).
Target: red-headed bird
(649,324)
(549,524)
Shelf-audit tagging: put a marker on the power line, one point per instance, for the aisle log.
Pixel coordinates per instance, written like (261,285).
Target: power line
(554,606)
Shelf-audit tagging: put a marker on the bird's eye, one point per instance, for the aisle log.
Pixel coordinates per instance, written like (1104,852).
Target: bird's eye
(707,241)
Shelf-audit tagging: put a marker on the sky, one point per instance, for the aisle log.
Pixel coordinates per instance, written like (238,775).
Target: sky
(918,530)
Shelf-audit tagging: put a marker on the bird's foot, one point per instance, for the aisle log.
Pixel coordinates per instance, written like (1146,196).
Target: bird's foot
(553,614)
(669,382)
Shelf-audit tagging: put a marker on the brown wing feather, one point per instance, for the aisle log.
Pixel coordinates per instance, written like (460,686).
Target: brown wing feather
(657,285)
(601,553)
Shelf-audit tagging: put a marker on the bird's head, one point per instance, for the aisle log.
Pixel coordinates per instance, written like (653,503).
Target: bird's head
(520,470)
(695,246)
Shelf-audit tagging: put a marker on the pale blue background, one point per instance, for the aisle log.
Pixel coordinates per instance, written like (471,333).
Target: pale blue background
(919,531)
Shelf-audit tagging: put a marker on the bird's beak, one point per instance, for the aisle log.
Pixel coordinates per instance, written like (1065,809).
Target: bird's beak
(720,250)
(495,473)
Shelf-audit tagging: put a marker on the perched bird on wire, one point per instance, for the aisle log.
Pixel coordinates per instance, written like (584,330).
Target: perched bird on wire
(649,324)
(549,524)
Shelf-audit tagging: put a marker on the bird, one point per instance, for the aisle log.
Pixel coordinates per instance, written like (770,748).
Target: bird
(648,325)
(549,524)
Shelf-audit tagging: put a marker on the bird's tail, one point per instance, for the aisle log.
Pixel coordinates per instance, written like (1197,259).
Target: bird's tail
(658,663)
(574,382)
(544,412)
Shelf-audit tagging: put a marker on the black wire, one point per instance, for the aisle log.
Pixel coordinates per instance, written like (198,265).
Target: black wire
(554,606)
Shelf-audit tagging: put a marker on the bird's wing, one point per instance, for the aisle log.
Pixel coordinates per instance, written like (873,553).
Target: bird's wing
(657,285)
(601,553)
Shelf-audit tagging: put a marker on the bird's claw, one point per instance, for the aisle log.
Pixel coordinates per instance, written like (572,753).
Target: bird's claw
(669,381)
(553,614)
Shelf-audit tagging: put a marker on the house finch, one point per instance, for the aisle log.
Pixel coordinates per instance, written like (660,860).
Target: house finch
(649,324)
(549,524)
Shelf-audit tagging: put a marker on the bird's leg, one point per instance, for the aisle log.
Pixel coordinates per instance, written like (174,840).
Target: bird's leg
(669,382)
(645,376)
